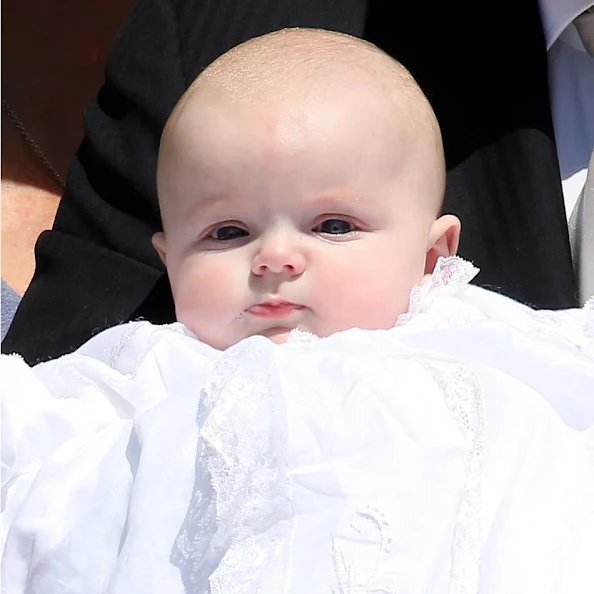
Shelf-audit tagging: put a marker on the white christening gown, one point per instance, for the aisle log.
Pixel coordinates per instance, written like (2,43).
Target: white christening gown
(451,454)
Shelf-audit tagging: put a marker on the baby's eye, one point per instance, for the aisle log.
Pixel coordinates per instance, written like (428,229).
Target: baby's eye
(335,227)
(228,233)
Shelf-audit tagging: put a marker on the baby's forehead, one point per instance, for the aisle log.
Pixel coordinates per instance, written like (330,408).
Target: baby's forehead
(347,100)
(309,127)
(355,95)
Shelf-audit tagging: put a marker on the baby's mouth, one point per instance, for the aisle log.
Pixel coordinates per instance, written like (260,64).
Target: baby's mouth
(274,309)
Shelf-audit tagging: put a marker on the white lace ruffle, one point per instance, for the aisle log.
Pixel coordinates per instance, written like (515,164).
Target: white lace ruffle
(237,530)
(449,274)
(462,394)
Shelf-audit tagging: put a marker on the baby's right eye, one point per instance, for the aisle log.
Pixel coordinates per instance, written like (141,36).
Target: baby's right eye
(227,233)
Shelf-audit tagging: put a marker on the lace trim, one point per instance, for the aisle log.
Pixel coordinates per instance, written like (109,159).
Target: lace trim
(129,364)
(450,273)
(463,397)
(238,528)
(302,336)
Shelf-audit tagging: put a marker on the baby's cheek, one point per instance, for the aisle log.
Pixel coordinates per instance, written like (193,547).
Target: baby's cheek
(203,315)
(370,297)
(203,289)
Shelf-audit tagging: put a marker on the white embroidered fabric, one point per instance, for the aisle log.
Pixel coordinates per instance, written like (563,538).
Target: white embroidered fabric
(452,454)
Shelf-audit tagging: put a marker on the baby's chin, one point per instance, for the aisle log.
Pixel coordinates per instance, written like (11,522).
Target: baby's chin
(278,335)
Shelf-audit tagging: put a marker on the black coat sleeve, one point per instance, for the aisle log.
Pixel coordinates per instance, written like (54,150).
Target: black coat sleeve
(97,267)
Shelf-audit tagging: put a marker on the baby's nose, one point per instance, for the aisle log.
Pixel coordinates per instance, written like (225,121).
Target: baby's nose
(279,255)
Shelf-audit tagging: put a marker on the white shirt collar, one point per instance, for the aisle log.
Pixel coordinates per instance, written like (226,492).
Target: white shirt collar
(558,14)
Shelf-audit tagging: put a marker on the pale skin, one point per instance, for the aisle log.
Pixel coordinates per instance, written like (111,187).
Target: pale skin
(308,210)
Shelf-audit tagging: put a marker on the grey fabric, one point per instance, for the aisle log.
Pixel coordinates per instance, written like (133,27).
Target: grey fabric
(581,237)
(10,302)
(585,26)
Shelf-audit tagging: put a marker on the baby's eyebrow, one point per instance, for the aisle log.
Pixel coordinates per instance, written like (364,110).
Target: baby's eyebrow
(340,199)
(209,203)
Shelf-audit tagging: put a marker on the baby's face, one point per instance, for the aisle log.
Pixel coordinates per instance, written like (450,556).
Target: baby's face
(279,217)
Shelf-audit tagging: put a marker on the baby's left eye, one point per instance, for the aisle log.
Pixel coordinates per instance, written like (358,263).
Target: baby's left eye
(335,227)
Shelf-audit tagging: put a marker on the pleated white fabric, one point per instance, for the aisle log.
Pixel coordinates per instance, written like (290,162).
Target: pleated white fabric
(453,453)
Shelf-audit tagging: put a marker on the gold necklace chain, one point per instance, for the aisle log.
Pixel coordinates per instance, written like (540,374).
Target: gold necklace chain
(14,118)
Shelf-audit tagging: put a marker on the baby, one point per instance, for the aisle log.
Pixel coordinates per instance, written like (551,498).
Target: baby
(408,432)
(300,179)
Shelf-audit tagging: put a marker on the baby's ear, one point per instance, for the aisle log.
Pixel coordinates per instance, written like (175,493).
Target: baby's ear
(442,240)
(159,245)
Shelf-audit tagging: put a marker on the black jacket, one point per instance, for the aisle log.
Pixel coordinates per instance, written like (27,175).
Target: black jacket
(482,65)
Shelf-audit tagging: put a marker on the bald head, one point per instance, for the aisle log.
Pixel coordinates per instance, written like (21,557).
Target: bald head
(296,61)
(309,67)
